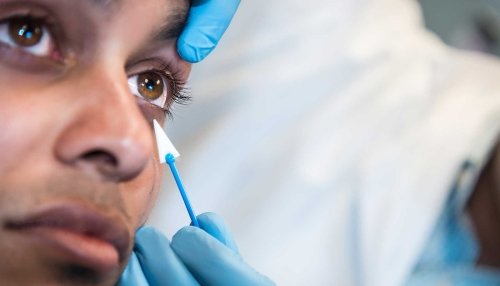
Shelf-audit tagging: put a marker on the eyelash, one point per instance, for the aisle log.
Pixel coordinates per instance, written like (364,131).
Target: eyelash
(178,92)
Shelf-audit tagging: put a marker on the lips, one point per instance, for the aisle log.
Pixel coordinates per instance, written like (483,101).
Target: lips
(81,235)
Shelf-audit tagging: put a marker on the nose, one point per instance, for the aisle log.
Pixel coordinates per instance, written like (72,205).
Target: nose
(106,134)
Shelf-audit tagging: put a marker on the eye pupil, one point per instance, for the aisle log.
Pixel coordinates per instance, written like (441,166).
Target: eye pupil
(150,85)
(25,31)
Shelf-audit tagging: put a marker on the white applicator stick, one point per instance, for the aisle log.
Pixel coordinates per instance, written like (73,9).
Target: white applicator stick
(167,154)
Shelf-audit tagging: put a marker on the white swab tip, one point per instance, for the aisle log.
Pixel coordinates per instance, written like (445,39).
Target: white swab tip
(164,144)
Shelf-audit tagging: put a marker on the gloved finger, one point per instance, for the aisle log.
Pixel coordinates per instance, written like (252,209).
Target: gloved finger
(216,227)
(207,21)
(211,262)
(160,264)
(132,275)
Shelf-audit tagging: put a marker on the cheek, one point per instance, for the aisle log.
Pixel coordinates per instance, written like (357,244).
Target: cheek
(141,193)
(150,112)
(24,117)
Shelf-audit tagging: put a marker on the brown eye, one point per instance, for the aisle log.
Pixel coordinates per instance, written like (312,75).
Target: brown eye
(25,32)
(150,85)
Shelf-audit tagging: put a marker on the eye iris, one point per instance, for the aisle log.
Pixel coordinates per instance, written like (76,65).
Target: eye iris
(25,32)
(150,85)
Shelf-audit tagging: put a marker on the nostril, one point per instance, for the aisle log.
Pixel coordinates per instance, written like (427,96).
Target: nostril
(100,158)
(108,158)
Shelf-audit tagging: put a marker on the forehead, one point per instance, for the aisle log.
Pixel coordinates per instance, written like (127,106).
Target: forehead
(162,12)
(158,7)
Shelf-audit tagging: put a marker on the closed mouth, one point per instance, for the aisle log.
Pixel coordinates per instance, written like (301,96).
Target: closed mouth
(79,234)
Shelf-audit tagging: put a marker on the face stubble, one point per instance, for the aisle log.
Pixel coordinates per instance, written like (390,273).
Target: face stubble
(31,177)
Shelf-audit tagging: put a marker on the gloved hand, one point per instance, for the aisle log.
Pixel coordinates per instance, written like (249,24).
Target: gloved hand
(206,256)
(207,22)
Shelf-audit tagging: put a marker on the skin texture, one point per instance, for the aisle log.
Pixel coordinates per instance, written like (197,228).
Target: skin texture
(72,132)
(484,209)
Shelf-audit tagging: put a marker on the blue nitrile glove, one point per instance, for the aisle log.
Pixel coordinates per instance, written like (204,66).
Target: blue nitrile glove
(207,22)
(206,256)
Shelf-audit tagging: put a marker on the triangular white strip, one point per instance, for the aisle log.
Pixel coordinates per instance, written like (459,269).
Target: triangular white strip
(164,144)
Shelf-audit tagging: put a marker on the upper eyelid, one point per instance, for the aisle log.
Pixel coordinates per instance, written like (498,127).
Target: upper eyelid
(50,26)
(168,79)
(157,66)
(23,10)
(74,36)
(56,59)
(34,11)
(153,64)
(177,92)
(168,75)
(56,31)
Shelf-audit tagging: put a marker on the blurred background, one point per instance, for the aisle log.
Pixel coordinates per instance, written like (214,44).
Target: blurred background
(284,130)
(471,25)
(466,24)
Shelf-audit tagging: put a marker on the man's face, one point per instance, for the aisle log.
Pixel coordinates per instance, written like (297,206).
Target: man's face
(80,82)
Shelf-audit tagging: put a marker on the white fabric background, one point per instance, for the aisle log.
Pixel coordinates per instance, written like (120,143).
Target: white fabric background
(327,133)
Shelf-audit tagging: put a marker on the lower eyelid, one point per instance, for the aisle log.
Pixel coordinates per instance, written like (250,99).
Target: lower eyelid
(152,111)
(28,63)
(161,101)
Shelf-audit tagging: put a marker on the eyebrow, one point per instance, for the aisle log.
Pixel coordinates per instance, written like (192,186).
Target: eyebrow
(173,25)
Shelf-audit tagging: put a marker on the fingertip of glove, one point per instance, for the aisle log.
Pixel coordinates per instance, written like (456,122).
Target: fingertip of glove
(147,236)
(187,238)
(184,232)
(210,217)
(190,53)
(147,231)
(215,225)
(189,57)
